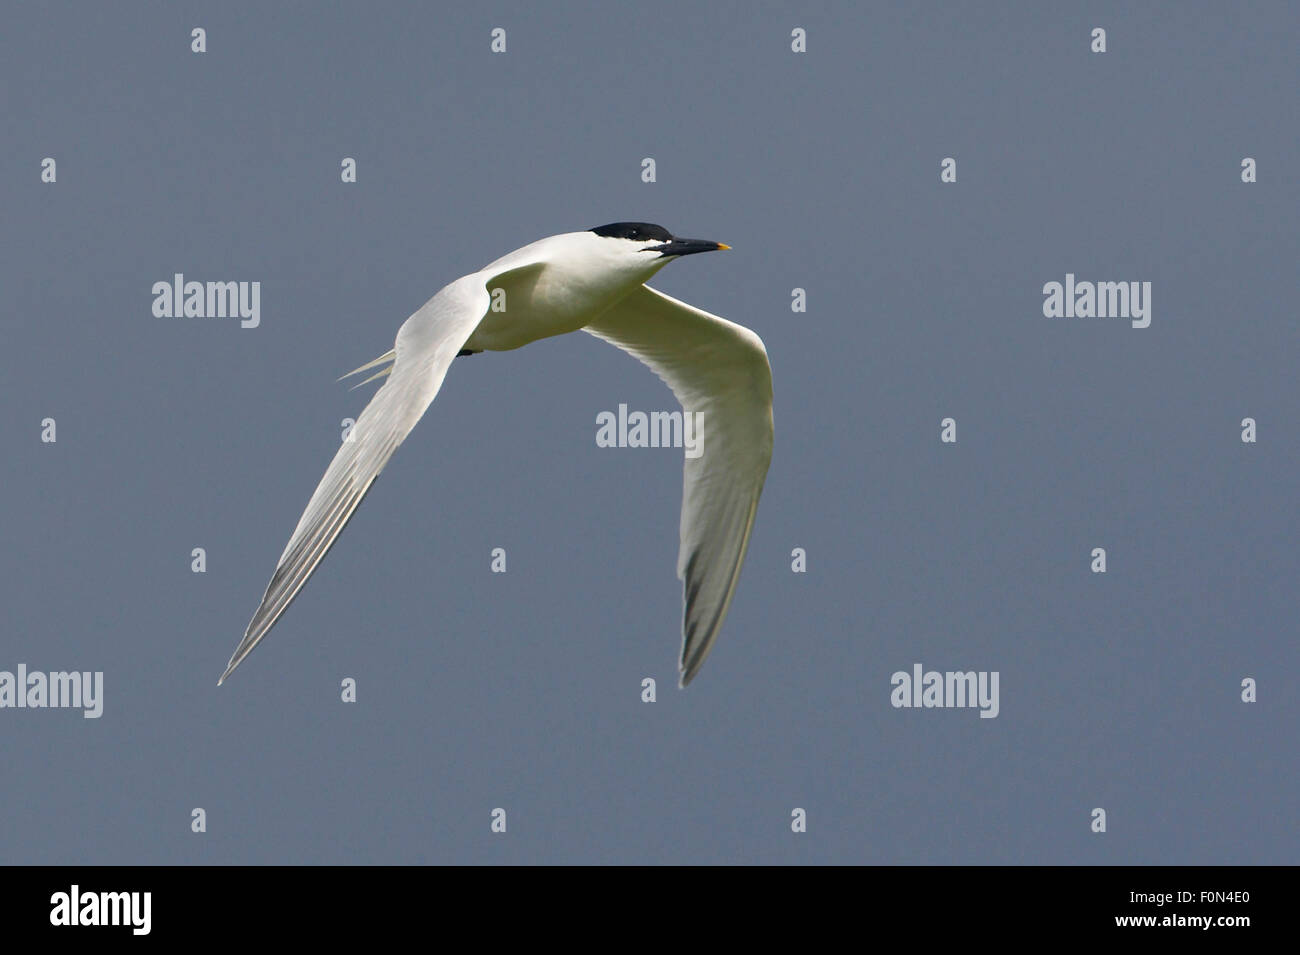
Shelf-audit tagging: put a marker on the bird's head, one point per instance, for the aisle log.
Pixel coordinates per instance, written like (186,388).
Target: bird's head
(649,245)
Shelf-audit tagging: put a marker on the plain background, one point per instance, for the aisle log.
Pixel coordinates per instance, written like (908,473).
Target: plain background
(480,690)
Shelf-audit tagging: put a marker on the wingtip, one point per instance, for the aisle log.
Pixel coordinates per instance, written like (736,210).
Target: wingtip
(230,668)
(688,670)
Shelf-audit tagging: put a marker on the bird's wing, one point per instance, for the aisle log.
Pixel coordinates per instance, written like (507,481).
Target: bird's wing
(719,370)
(426,344)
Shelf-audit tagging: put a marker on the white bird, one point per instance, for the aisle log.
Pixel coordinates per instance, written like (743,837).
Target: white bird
(594,281)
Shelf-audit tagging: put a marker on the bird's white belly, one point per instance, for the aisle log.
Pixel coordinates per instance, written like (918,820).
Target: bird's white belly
(530,304)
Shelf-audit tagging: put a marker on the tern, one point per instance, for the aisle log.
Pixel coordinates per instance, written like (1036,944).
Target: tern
(595,281)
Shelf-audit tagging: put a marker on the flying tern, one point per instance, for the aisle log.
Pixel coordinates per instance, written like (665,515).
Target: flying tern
(595,281)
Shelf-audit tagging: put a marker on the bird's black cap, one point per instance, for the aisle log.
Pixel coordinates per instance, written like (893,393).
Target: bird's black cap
(649,232)
(639,231)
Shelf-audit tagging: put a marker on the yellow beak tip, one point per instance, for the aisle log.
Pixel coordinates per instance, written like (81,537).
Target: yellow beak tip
(723,246)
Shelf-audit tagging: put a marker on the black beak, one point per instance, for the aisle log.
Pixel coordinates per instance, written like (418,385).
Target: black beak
(687,247)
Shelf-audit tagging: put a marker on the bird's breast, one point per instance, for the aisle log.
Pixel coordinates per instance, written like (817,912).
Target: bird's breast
(528,305)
